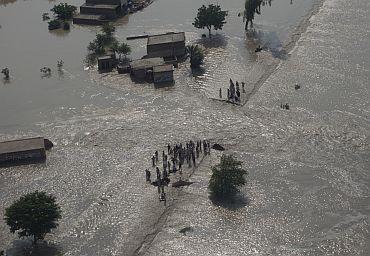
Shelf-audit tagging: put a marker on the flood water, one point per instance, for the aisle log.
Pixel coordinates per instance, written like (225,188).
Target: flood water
(308,185)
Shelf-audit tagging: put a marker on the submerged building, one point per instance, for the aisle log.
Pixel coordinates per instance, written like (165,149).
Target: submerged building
(23,151)
(98,12)
(166,45)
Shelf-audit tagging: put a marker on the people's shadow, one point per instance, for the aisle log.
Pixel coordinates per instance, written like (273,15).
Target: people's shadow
(25,247)
(231,203)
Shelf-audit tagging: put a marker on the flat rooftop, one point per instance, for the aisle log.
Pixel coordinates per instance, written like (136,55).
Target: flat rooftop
(105,57)
(20,145)
(89,16)
(166,38)
(101,6)
(146,63)
(163,68)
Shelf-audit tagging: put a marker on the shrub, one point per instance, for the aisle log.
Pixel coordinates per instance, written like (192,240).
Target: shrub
(226,178)
(64,11)
(54,24)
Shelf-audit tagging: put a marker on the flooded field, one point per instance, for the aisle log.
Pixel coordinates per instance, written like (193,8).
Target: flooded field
(308,184)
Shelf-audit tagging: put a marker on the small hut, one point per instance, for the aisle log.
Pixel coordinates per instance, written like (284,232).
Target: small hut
(23,151)
(163,74)
(106,63)
(142,68)
(166,45)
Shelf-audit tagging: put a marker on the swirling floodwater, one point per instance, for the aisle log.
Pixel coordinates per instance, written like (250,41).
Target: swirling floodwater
(308,184)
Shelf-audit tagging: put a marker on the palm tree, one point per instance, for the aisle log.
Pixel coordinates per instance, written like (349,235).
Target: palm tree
(196,55)
(123,49)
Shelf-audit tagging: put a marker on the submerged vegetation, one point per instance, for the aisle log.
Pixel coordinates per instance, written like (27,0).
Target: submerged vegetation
(106,41)
(210,16)
(54,24)
(227,177)
(196,55)
(64,11)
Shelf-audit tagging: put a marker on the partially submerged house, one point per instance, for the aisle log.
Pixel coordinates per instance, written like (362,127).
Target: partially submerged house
(143,68)
(98,12)
(169,45)
(163,74)
(23,151)
(106,63)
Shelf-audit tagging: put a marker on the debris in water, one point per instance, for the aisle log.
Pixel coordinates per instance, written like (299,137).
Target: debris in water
(186,229)
(218,147)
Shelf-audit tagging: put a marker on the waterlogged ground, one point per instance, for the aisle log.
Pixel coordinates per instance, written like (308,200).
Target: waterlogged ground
(308,183)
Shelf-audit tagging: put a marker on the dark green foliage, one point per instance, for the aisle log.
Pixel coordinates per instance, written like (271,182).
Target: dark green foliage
(64,11)
(103,40)
(210,16)
(226,178)
(196,55)
(96,47)
(108,29)
(34,214)
(123,49)
(54,24)
(45,16)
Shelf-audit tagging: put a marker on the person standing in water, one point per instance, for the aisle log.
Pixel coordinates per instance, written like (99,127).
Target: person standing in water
(147,174)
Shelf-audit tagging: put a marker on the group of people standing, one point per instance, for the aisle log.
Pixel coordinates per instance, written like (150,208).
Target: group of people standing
(233,92)
(175,159)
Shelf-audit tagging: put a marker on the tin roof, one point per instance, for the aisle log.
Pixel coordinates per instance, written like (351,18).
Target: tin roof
(146,63)
(105,57)
(101,6)
(22,145)
(163,68)
(166,38)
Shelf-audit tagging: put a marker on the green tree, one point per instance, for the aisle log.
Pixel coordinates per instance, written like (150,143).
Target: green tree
(34,214)
(96,47)
(123,49)
(54,24)
(196,55)
(210,16)
(227,177)
(108,29)
(64,11)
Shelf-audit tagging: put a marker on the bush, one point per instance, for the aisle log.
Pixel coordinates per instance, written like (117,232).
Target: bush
(196,55)
(54,24)
(226,178)
(103,40)
(64,11)
(34,214)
